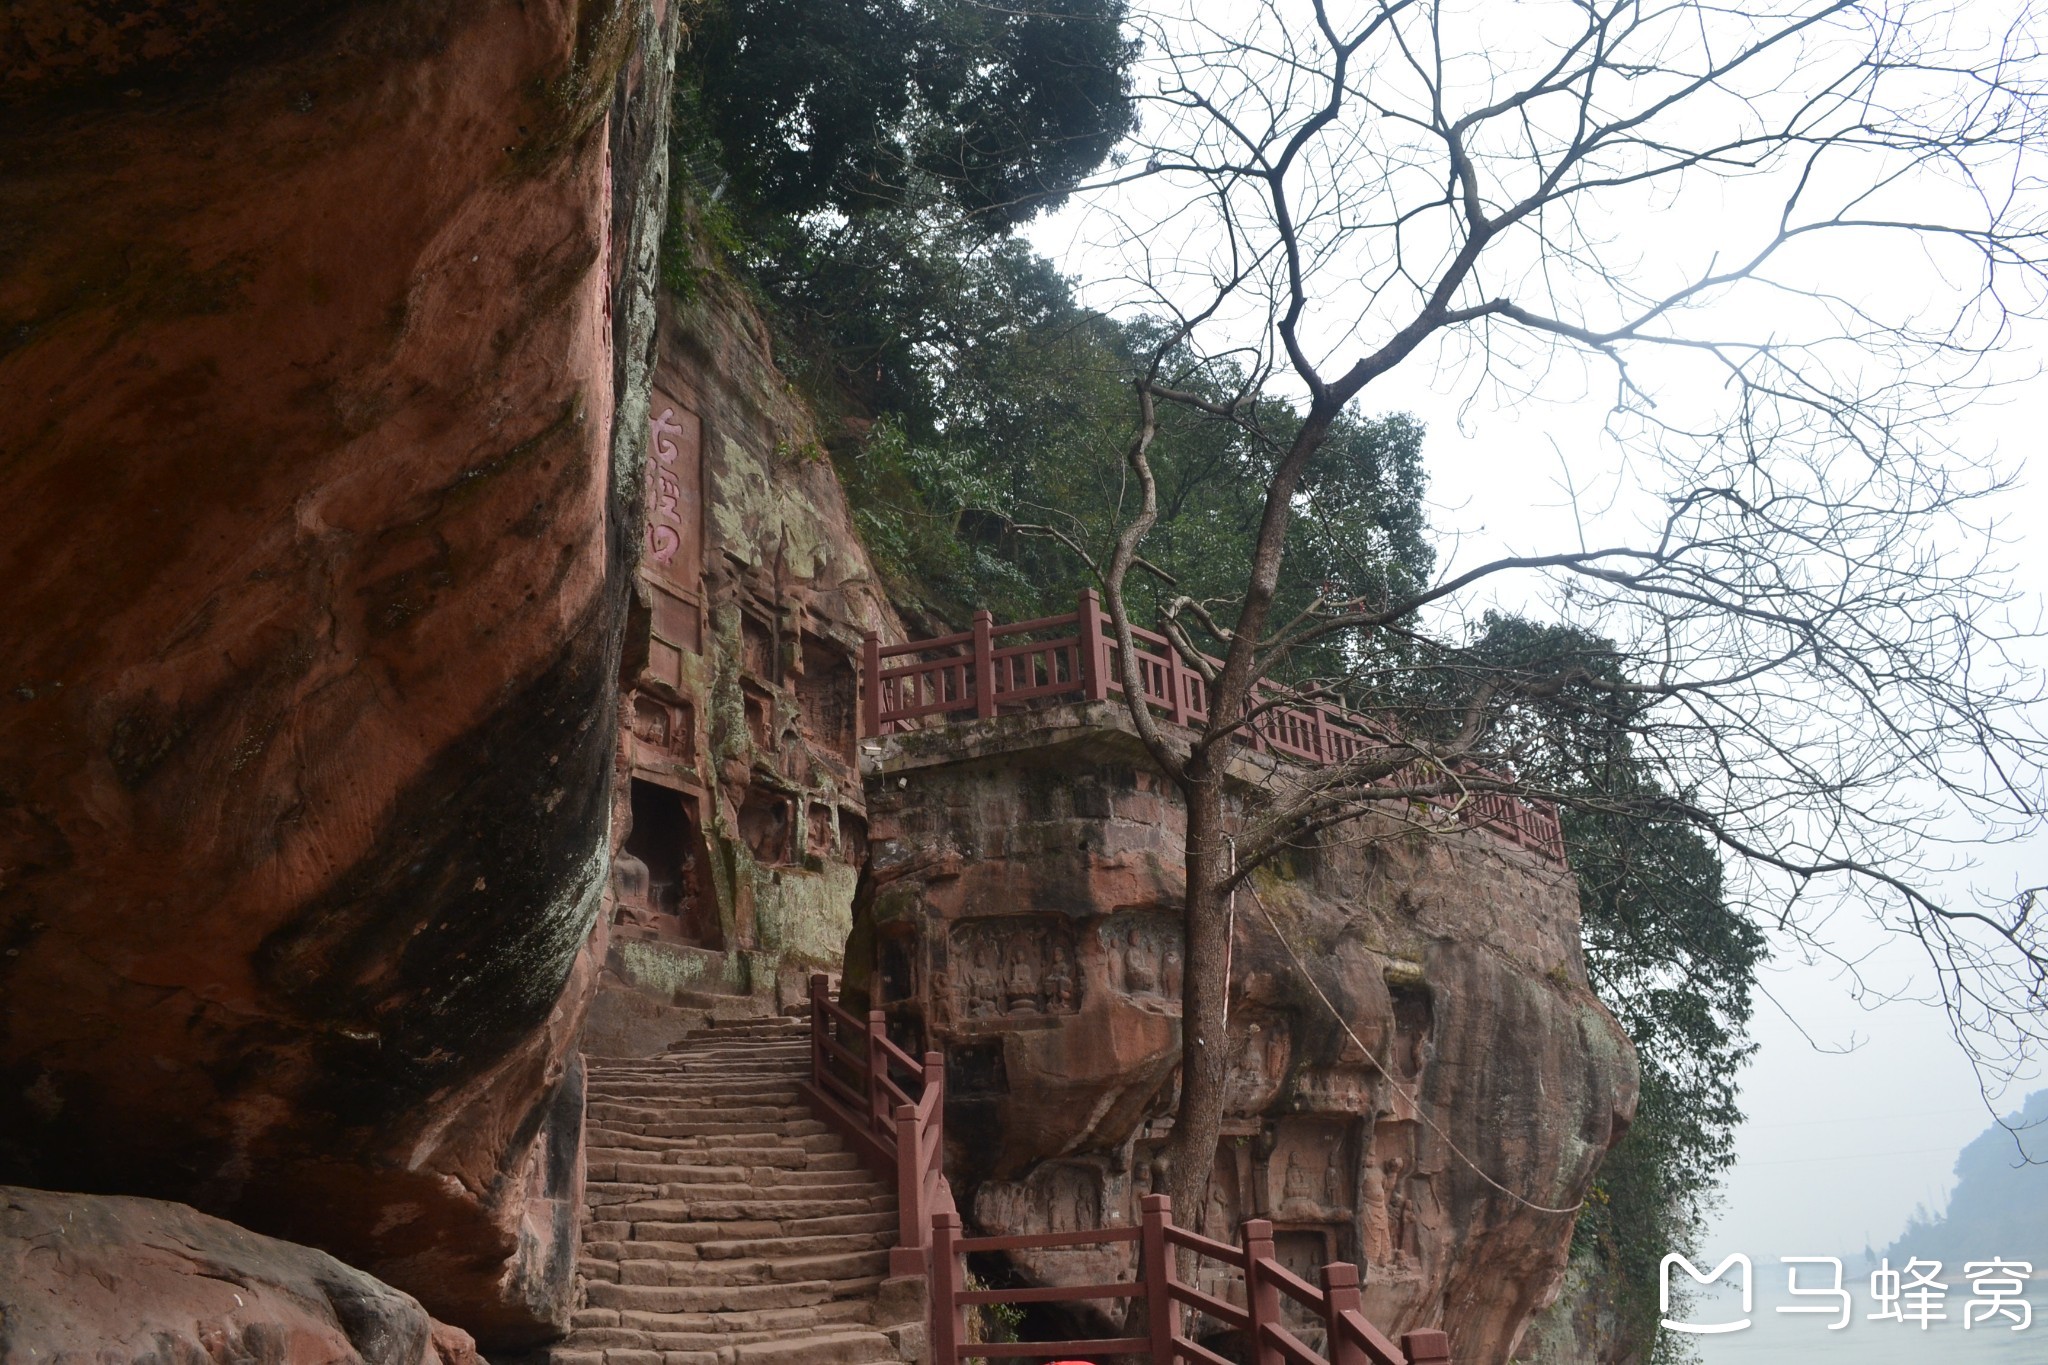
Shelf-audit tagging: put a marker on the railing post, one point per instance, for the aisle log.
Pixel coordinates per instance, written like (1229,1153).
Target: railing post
(1156,1260)
(913,1215)
(1340,1295)
(878,1074)
(984,665)
(935,1083)
(871,684)
(820,992)
(948,1327)
(1094,667)
(1176,703)
(1261,1297)
(1426,1346)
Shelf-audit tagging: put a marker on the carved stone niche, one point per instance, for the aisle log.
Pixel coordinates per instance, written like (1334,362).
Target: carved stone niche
(1311,1172)
(1056,1196)
(1397,1202)
(659,877)
(828,696)
(765,826)
(666,728)
(757,647)
(1259,1053)
(1144,959)
(1013,967)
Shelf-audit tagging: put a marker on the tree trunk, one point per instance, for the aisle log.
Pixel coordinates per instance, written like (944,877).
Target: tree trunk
(1190,1154)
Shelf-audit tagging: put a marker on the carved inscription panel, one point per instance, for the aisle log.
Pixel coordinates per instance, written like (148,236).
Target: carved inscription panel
(675,514)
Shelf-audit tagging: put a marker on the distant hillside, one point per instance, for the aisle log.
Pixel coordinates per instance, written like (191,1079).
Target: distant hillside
(2000,1203)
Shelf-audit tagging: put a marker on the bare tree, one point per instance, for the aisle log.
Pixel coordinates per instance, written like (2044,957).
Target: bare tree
(1809,635)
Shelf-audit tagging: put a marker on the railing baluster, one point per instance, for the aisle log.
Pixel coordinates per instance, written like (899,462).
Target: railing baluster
(1261,1296)
(984,666)
(949,1325)
(1094,666)
(1340,1295)
(1156,1264)
(878,1073)
(871,677)
(1426,1347)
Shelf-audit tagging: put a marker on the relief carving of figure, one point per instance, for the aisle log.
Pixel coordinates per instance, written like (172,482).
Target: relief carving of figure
(1022,995)
(631,885)
(1170,973)
(1059,985)
(1216,1219)
(1379,1237)
(1140,976)
(981,981)
(1300,1188)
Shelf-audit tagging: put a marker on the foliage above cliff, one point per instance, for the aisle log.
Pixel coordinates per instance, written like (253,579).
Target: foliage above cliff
(849,107)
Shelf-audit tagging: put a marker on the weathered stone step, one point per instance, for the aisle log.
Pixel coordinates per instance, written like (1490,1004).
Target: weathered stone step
(724,1209)
(824,1348)
(711,1298)
(850,1185)
(824,1244)
(664,1172)
(624,1113)
(754,1149)
(614,1229)
(658,1123)
(634,1164)
(620,1091)
(748,1270)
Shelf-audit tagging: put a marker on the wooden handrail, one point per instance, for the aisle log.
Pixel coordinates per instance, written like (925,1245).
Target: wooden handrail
(1351,1339)
(964,673)
(898,1134)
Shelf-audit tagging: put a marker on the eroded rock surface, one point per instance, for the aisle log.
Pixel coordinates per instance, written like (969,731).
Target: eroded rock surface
(1027,877)
(314,319)
(107,1278)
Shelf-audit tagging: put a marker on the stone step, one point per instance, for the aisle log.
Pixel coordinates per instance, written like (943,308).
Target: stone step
(737,1270)
(617,1198)
(666,1125)
(764,1139)
(727,1209)
(711,1298)
(824,1348)
(634,1164)
(831,1244)
(850,1185)
(621,1090)
(614,1229)
(627,1113)
(653,1339)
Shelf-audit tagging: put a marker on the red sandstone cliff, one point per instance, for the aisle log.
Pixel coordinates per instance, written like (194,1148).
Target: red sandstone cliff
(315,320)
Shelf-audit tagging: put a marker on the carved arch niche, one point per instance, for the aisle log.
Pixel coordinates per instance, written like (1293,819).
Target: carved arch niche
(661,885)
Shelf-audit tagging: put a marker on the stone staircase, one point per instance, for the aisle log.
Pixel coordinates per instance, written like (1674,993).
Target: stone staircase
(726,1225)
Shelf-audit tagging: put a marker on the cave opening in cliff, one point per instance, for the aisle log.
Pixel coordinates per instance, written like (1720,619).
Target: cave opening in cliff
(666,838)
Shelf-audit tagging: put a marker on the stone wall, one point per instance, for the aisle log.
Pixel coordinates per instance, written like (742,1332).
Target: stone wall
(1026,878)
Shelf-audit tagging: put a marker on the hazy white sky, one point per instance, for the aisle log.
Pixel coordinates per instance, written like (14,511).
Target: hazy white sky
(1855,1114)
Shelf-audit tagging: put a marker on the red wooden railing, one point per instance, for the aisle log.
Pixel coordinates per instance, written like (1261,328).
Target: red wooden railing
(990,667)
(1172,1307)
(852,1089)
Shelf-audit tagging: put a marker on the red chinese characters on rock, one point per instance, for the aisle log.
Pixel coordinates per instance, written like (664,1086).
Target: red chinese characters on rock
(671,446)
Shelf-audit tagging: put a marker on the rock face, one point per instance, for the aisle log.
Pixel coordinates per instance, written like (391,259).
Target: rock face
(314,321)
(739,796)
(1024,918)
(85,1277)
